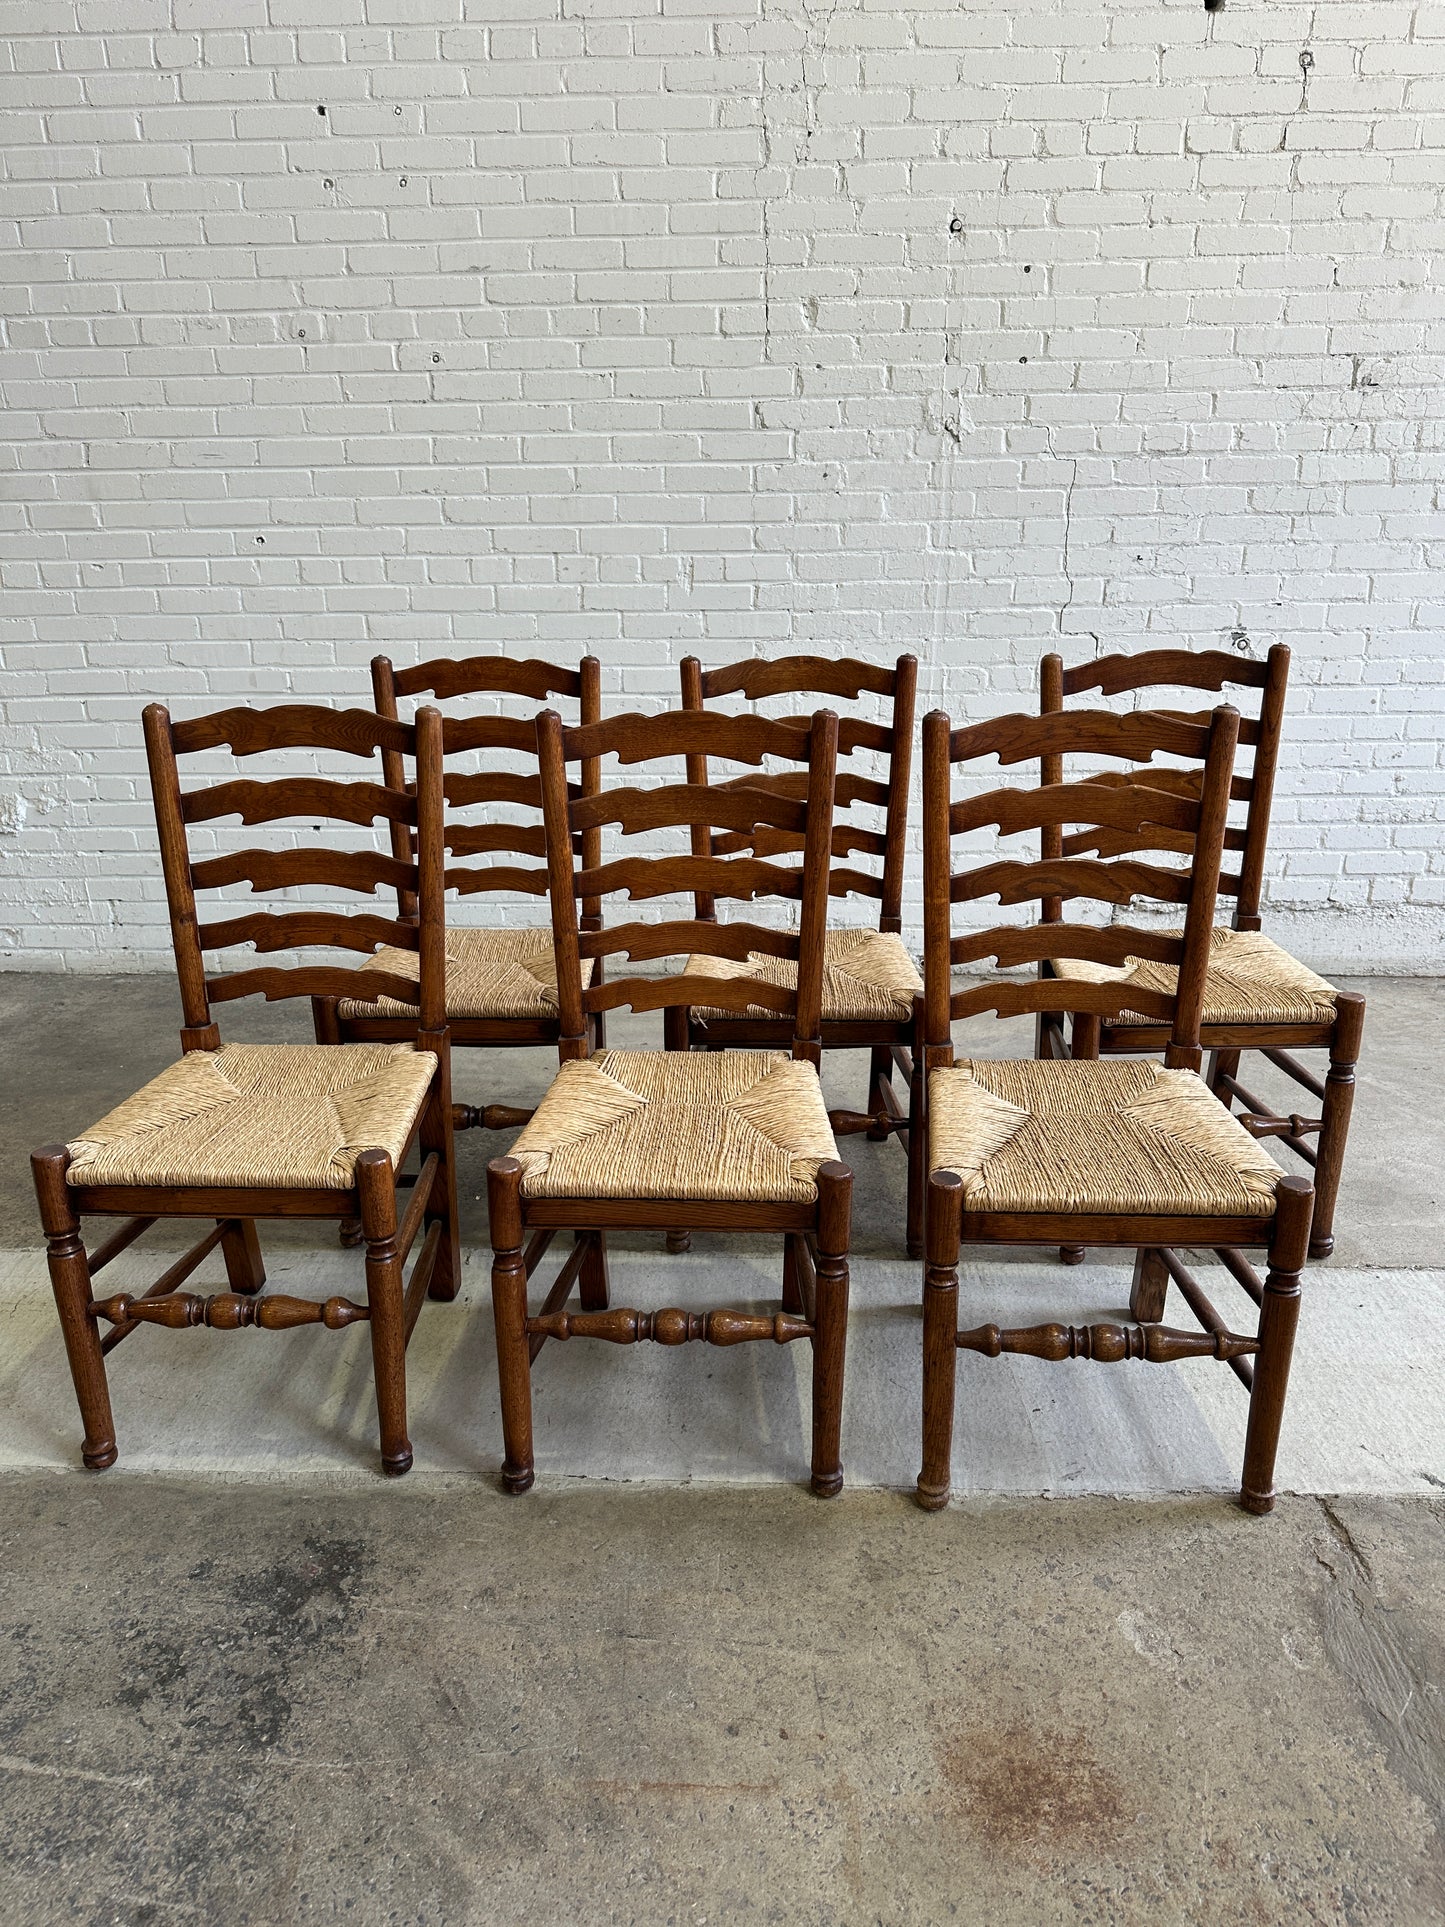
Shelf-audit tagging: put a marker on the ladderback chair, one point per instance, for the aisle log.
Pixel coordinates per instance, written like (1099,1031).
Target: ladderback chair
(1086,1151)
(730,1141)
(1256,995)
(870,983)
(241,1132)
(501,980)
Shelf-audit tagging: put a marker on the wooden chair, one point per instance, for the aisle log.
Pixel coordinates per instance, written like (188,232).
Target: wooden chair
(241,1132)
(870,983)
(1049,1151)
(501,981)
(733,1140)
(1256,996)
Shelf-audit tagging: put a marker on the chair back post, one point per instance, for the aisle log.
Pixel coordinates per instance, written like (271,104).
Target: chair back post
(704,906)
(556,820)
(199,1030)
(900,774)
(1051,770)
(393,770)
(589,710)
(1184,1052)
(937,908)
(431,878)
(1261,791)
(817,862)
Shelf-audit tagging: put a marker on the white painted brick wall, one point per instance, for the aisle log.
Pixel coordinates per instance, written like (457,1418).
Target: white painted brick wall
(971,328)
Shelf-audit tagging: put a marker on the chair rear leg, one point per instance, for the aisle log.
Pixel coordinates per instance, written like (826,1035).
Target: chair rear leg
(437,1134)
(1149,1289)
(830,1325)
(376,1186)
(509,1310)
(1339,1101)
(940,1331)
(1222,1063)
(1278,1317)
(880,1072)
(70,1281)
(593,1282)
(677,1035)
(1087,1031)
(917,1145)
(241,1249)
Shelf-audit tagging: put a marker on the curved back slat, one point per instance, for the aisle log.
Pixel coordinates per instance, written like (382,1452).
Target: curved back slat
(1136,736)
(694,736)
(755,678)
(415,815)
(1054,878)
(1216,669)
(444,677)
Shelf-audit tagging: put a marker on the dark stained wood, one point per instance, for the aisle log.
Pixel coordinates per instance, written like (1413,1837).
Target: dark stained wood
(1050,879)
(417,864)
(445,677)
(1137,737)
(1185,668)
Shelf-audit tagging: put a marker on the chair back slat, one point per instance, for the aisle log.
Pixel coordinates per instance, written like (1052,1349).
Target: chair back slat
(694,736)
(415,815)
(297,796)
(1053,879)
(755,678)
(446,678)
(1160,669)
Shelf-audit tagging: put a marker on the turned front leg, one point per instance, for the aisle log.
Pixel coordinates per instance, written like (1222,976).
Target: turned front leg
(830,1325)
(70,1281)
(509,1312)
(940,1335)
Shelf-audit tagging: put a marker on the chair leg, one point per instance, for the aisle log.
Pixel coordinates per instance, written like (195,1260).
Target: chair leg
(792,1295)
(509,1310)
(1339,1101)
(241,1249)
(917,1147)
(1278,1317)
(830,1325)
(593,1282)
(676,1036)
(437,1134)
(1222,1063)
(70,1281)
(940,1330)
(376,1187)
(1084,1043)
(880,1072)
(1149,1289)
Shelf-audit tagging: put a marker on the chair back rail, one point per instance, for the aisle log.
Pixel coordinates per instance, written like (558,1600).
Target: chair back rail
(755,678)
(1210,669)
(634,810)
(1053,879)
(416,813)
(445,678)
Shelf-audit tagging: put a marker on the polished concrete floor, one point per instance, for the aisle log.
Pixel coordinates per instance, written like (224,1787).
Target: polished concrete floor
(243,1679)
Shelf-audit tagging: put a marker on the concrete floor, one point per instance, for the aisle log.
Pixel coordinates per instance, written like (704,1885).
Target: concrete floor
(287,1691)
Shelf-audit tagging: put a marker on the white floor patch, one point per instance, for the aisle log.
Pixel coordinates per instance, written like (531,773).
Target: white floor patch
(1366,1411)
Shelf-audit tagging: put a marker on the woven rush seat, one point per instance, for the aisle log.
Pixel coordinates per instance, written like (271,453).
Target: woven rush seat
(1250,981)
(490,974)
(714,1126)
(868,977)
(278,1115)
(1087,1136)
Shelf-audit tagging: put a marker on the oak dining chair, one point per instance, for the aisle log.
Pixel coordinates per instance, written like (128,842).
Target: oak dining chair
(870,982)
(501,979)
(734,1141)
(238,1133)
(1117,1153)
(1257,997)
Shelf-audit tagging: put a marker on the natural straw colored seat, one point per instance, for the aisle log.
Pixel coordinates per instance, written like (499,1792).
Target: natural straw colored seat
(491,974)
(260,1114)
(868,977)
(1251,980)
(725,1126)
(1064,1136)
